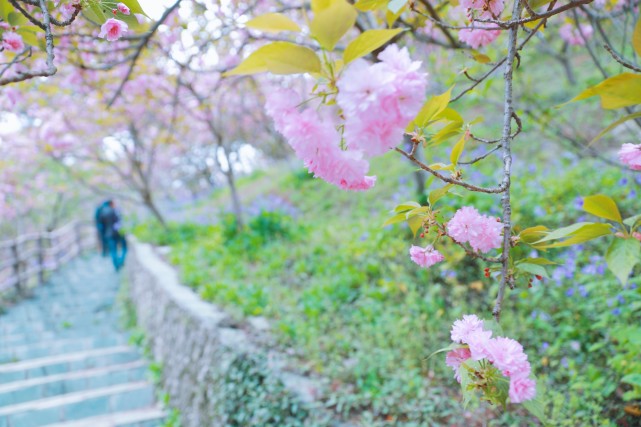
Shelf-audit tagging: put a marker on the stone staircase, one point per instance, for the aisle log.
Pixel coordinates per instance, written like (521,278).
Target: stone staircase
(65,362)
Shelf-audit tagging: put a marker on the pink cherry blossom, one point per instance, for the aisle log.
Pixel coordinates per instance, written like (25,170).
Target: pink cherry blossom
(477,37)
(122,8)
(630,155)
(487,8)
(113,29)
(425,257)
(576,36)
(522,389)
(12,42)
(454,358)
(317,143)
(483,233)
(379,107)
(508,356)
(462,329)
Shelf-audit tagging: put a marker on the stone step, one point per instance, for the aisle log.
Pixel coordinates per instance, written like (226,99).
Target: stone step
(75,406)
(38,388)
(148,417)
(62,363)
(38,350)
(19,339)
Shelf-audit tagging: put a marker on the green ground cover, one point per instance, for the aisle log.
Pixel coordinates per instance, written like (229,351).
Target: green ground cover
(342,293)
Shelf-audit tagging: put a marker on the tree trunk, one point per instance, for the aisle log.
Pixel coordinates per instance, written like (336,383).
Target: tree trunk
(235,198)
(149,203)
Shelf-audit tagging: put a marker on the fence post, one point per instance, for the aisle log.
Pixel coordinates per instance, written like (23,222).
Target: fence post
(16,265)
(41,259)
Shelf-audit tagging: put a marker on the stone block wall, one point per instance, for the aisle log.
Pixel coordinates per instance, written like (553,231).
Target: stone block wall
(215,374)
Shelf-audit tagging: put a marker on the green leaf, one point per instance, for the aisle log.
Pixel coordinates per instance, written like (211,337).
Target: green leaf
(614,125)
(533,234)
(395,220)
(395,6)
(537,261)
(619,91)
(447,132)
(278,58)
(437,194)
(536,406)
(417,211)
(330,24)
(636,37)
(432,107)
(94,13)
(407,206)
(367,42)
(273,23)
(622,256)
(582,234)
(632,379)
(134,7)
(630,222)
(534,269)
(603,207)
(457,151)
(17,19)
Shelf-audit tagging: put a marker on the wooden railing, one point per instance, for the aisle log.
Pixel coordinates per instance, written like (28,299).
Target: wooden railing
(26,260)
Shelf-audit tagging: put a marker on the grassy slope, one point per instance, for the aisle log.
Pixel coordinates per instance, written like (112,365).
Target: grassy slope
(343,294)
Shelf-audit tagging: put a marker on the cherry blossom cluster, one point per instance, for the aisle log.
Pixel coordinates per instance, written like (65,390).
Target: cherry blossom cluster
(425,257)
(504,354)
(113,29)
(482,232)
(377,103)
(484,9)
(630,155)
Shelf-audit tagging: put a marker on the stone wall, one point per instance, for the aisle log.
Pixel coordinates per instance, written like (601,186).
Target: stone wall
(215,374)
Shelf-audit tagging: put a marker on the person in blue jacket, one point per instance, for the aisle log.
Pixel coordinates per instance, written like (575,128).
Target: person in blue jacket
(111,223)
(99,227)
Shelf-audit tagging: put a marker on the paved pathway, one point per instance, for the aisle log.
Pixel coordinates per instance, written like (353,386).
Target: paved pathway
(65,361)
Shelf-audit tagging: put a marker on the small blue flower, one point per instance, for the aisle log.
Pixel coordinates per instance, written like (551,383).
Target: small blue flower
(621,299)
(616,311)
(569,292)
(623,181)
(544,346)
(564,362)
(578,202)
(583,291)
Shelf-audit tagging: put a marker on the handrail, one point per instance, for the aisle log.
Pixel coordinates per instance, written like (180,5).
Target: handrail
(35,254)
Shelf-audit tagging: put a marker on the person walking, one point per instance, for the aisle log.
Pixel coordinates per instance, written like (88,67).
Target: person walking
(111,222)
(102,242)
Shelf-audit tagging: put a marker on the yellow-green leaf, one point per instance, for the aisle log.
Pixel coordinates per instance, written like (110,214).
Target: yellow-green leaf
(533,234)
(367,42)
(395,219)
(94,13)
(391,17)
(437,194)
(583,234)
(366,5)
(273,23)
(407,206)
(457,151)
(480,57)
(415,223)
(615,124)
(636,37)
(5,8)
(603,207)
(279,58)
(432,108)
(447,132)
(16,19)
(619,91)
(331,23)
(29,34)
